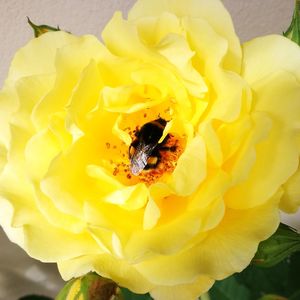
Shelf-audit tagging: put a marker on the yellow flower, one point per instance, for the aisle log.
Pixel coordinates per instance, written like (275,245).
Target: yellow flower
(82,186)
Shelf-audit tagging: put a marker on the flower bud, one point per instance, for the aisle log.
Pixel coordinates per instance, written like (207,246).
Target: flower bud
(90,287)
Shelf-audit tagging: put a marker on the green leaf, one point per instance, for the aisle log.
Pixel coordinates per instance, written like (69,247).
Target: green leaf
(279,282)
(41,29)
(293,32)
(128,295)
(229,289)
(282,279)
(295,296)
(279,246)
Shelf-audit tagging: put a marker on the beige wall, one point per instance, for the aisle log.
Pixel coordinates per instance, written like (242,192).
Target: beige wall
(251,18)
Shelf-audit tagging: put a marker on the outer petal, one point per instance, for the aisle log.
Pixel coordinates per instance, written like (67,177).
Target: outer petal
(16,235)
(127,275)
(27,227)
(8,104)
(51,244)
(69,63)
(290,201)
(107,266)
(184,291)
(276,86)
(279,53)
(3,153)
(37,57)
(227,249)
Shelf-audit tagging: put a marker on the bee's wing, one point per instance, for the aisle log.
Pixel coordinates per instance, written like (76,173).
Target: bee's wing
(138,160)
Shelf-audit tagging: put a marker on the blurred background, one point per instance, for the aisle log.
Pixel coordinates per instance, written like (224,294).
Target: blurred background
(19,274)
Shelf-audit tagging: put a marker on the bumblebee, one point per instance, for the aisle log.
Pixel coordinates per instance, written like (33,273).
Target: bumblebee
(144,151)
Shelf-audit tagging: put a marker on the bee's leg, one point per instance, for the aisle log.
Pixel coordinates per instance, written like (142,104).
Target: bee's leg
(166,148)
(153,160)
(163,146)
(165,140)
(132,148)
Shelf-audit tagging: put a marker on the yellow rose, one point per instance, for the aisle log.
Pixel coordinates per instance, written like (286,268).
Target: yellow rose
(193,208)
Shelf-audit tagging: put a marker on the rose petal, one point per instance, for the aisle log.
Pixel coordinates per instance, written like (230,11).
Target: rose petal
(183,291)
(227,90)
(39,54)
(191,168)
(107,266)
(86,95)
(69,63)
(227,249)
(213,12)
(277,156)
(279,54)
(290,201)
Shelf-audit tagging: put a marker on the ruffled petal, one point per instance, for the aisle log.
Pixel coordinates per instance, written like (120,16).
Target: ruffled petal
(227,90)
(213,12)
(31,230)
(85,96)
(228,248)
(277,155)
(69,64)
(276,79)
(39,54)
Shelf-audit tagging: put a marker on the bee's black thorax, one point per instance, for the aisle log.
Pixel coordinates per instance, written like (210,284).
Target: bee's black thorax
(151,132)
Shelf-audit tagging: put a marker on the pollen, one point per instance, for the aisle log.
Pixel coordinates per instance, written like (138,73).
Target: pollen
(167,162)
(158,167)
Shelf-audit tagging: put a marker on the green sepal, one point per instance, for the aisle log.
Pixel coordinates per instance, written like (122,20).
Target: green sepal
(41,29)
(276,248)
(293,32)
(90,287)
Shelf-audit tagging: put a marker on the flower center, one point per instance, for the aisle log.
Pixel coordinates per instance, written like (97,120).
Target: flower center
(153,152)
(150,158)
